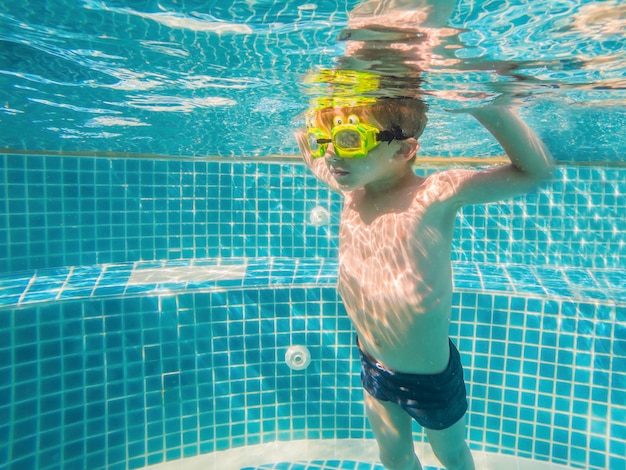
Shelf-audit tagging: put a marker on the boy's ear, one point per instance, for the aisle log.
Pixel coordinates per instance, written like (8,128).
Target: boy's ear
(408,148)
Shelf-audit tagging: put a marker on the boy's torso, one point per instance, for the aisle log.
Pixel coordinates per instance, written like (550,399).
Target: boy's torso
(395,274)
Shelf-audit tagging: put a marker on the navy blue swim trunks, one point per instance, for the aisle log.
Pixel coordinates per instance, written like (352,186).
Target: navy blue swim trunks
(435,401)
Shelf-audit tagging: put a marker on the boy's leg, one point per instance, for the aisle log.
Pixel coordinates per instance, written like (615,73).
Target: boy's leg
(450,448)
(392,429)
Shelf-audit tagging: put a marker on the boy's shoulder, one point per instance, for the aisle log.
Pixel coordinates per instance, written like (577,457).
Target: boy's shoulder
(450,174)
(445,182)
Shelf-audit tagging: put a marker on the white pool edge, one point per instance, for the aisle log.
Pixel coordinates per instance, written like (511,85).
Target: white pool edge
(360,450)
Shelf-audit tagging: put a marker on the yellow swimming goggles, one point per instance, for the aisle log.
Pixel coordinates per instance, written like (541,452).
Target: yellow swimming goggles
(353,139)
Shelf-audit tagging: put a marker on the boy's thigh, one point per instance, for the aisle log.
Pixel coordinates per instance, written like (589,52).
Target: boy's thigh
(390,423)
(451,439)
(450,447)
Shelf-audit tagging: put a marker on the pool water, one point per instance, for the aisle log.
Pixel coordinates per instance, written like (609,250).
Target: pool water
(212,78)
(160,250)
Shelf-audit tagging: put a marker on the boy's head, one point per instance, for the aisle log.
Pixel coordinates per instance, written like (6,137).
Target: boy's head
(356,129)
(368,145)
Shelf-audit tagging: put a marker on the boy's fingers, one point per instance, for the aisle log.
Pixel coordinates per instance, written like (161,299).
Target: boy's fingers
(302,143)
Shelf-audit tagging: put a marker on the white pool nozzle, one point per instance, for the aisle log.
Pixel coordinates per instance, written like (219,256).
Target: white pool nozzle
(319,216)
(298,357)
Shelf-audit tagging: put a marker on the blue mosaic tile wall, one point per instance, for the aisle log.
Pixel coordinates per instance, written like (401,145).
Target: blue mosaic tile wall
(80,211)
(133,375)
(126,382)
(72,211)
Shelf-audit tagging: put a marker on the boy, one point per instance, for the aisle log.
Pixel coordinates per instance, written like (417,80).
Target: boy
(394,259)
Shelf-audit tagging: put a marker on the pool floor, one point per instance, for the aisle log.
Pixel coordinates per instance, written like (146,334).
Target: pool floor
(333,454)
(324,464)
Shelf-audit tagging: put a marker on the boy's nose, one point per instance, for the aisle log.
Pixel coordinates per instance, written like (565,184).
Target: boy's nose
(330,152)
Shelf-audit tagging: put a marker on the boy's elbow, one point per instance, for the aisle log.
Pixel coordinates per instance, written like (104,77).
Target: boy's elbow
(539,164)
(544,172)
(547,167)
(548,173)
(539,174)
(532,175)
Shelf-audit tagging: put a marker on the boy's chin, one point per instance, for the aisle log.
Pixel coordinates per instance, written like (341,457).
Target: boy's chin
(347,185)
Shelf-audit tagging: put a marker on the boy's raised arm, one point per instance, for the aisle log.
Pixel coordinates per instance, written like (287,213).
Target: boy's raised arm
(425,13)
(526,151)
(531,162)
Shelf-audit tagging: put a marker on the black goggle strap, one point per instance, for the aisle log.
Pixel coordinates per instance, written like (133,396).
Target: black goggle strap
(389,135)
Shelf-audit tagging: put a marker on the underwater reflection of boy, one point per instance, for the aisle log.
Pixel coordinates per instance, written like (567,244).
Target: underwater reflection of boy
(394,260)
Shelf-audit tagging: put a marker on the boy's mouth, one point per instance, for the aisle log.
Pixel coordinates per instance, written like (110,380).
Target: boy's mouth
(337,173)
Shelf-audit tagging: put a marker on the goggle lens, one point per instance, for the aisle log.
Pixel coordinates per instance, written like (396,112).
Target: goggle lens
(317,142)
(313,145)
(348,139)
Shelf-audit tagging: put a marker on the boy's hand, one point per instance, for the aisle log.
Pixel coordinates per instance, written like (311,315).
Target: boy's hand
(303,145)
(317,165)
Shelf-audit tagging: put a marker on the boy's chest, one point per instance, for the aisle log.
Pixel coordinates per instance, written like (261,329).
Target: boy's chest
(389,231)
(409,237)
(398,255)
